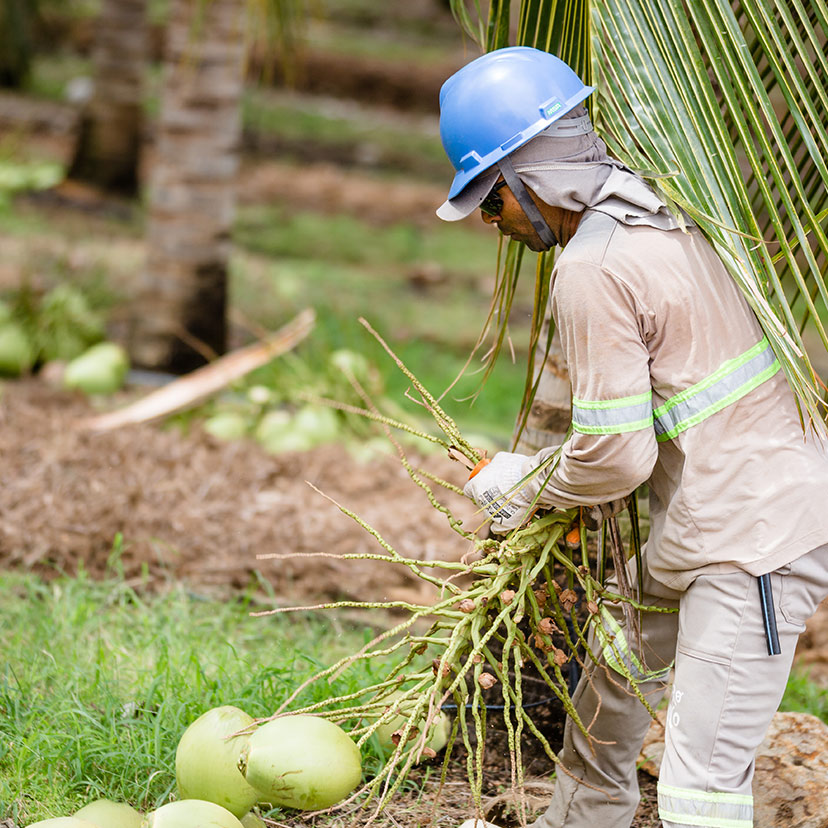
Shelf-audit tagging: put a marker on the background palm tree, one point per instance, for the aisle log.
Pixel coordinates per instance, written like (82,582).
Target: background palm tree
(722,106)
(108,147)
(179,318)
(179,310)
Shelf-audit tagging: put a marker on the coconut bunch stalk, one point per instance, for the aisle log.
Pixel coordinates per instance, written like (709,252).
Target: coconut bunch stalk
(506,608)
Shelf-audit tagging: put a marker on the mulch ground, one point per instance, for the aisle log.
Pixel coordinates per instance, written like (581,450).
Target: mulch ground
(194,508)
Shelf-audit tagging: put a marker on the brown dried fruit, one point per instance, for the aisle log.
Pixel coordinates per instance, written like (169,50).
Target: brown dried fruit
(568,599)
(592,607)
(487,680)
(435,667)
(507,596)
(397,735)
(547,626)
(477,658)
(561,658)
(541,643)
(466,605)
(429,753)
(421,649)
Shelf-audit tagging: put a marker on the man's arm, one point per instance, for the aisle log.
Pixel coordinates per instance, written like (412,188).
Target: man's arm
(612,449)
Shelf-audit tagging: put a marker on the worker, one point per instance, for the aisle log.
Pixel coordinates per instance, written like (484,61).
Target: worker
(674,385)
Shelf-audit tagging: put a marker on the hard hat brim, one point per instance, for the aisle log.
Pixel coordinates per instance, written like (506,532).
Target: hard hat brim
(470,198)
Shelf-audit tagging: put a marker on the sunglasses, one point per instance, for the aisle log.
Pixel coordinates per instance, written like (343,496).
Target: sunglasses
(493,203)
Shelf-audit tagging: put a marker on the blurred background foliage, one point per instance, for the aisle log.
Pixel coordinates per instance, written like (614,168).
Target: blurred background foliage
(340,171)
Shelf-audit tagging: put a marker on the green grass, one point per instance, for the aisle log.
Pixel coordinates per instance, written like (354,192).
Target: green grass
(345,268)
(50,74)
(339,264)
(99,681)
(804,696)
(281,231)
(345,128)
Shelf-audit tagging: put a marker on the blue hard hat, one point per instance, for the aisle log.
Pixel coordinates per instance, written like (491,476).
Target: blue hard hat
(498,102)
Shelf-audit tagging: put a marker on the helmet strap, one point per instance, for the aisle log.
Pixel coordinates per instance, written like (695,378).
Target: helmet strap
(520,192)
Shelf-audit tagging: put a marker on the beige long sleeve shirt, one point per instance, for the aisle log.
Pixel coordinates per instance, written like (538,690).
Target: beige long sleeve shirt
(675,385)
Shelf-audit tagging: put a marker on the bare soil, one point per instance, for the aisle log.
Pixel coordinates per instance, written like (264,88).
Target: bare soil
(192,508)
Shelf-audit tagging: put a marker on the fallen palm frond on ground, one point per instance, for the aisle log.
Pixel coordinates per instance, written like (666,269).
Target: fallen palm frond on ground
(509,607)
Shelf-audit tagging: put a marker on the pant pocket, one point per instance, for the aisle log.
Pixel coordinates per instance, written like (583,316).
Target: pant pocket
(803,585)
(701,655)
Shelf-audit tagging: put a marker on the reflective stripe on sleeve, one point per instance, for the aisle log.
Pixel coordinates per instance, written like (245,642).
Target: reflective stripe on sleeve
(617,651)
(705,808)
(613,416)
(729,383)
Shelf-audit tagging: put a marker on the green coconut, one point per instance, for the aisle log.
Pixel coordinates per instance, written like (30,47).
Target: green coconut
(277,433)
(438,735)
(107,814)
(354,364)
(301,762)
(63,822)
(101,369)
(227,425)
(191,813)
(17,353)
(206,761)
(252,820)
(318,422)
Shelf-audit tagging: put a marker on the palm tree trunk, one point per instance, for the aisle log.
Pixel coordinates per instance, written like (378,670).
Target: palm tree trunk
(180,310)
(16,20)
(108,148)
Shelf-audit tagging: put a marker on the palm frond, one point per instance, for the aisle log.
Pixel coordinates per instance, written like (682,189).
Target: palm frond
(724,106)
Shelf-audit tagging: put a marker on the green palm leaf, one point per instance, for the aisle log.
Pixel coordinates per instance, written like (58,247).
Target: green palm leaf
(724,107)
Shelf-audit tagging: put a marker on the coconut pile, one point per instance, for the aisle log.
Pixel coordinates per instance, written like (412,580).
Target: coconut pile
(228,769)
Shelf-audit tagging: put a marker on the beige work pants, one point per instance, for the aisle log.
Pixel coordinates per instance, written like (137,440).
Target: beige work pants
(725,691)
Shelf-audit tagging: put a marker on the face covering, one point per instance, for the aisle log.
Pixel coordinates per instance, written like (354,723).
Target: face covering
(574,172)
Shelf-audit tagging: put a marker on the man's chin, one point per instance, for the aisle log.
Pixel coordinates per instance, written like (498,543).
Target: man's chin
(535,245)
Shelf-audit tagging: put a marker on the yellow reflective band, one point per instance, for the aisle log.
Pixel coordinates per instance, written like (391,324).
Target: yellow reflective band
(734,379)
(704,822)
(616,416)
(708,809)
(706,796)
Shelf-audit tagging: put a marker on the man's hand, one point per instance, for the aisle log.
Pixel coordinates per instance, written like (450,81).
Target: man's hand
(495,488)
(594,516)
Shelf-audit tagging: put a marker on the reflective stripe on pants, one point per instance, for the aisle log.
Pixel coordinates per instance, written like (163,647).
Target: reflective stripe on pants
(723,810)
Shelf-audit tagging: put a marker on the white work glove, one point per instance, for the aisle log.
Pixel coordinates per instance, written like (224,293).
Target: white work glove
(495,489)
(594,516)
